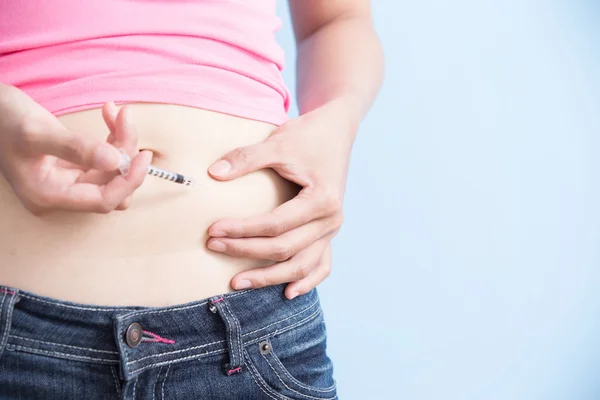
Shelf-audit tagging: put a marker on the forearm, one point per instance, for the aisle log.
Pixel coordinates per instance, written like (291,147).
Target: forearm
(341,61)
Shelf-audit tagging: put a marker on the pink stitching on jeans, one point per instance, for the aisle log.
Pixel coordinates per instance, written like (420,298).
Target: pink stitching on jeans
(156,338)
(233,371)
(7,291)
(217,300)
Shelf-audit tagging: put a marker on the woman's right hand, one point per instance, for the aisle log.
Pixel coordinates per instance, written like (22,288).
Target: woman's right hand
(52,168)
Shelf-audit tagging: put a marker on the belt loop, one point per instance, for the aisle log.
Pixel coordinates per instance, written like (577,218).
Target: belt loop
(219,305)
(8,298)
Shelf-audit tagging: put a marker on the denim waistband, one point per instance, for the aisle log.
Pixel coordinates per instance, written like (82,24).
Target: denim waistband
(98,334)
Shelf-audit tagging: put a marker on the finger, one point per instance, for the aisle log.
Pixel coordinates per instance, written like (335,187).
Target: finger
(318,274)
(102,198)
(292,270)
(244,160)
(124,135)
(290,215)
(279,248)
(125,204)
(109,113)
(76,149)
(125,131)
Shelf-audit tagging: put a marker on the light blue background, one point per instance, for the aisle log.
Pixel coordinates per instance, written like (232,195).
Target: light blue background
(468,266)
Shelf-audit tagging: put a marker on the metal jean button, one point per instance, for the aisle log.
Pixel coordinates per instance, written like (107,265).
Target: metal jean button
(133,336)
(265,347)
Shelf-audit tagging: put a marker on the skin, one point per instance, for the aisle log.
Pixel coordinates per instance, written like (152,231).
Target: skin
(340,68)
(51,168)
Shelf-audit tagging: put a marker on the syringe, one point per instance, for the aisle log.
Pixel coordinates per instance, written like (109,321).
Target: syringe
(154,171)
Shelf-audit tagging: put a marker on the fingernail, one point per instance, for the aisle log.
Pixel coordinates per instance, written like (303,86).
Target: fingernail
(106,157)
(220,167)
(294,294)
(217,246)
(218,234)
(243,284)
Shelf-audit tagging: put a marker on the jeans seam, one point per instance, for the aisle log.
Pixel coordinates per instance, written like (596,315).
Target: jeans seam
(114,375)
(237,351)
(295,391)
(295,381)
(147,312)
(4,341)
(287,328)
(3,333)
(162,390)
(160,311)
(260,382)
(177,360)
(239,335)
(228,327)
(134,385)
(221,341)
(59,354)
(156,382)
(174,352)
(64,345)
(283,319)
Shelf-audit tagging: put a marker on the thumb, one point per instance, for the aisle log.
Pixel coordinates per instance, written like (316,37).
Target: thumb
(244,160)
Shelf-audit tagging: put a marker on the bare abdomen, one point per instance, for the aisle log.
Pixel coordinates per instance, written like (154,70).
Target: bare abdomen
(155,252)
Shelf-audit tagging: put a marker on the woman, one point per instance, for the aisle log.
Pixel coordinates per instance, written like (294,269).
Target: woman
(182,292)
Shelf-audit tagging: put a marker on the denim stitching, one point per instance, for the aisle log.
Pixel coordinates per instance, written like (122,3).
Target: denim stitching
(263,390)
(174,352)
(287,328)
(65,345)
(4,336)
(147,312)
(259,381)
(56,303)
(229,327)
(295,391)
(8,320)
(68,356)
(121,334)
(3,297)
(239,335)
(281,320)
(134,385)
(234,353)
(221,341)
(276,360)
(162,392)
(155,382)
(177,360)
(112,371)
(294,380)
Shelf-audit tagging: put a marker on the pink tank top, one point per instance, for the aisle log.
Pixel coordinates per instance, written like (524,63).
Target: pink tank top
(220,55)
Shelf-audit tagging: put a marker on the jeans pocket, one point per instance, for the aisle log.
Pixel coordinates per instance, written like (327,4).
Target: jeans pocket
(294,364)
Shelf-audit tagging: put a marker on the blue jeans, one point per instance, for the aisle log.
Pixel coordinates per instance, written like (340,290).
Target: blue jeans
(251,344)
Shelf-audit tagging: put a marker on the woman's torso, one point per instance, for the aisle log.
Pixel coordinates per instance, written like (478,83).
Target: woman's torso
(155,252)
(72,56)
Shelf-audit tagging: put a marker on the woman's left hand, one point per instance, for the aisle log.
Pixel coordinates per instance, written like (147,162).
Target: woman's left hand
(313,151)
